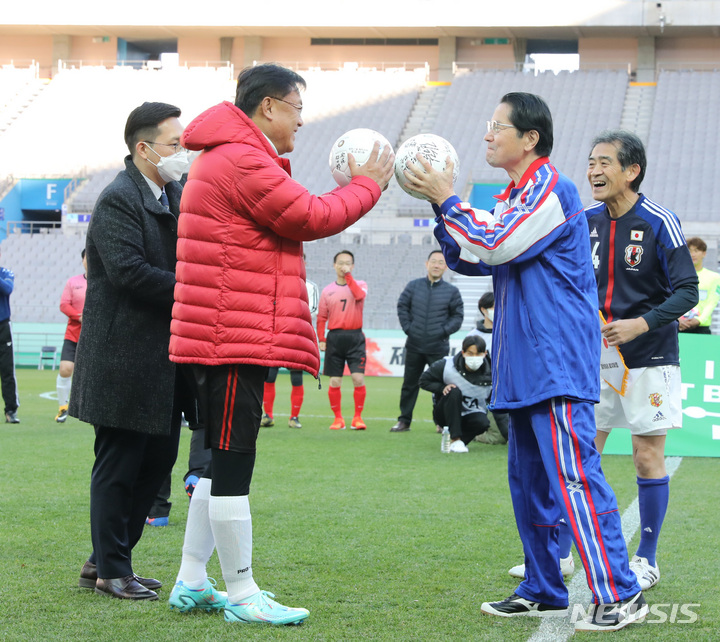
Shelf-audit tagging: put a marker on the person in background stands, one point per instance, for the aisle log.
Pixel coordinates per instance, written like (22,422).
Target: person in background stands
(341,308)
(430,310)
(199,458)
(699,319)
(297,393)
(461,388)
(484,326)
(72,302)
(7,354)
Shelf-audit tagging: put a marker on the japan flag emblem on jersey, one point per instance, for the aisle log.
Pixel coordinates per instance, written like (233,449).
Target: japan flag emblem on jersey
(633,255)
(636,235)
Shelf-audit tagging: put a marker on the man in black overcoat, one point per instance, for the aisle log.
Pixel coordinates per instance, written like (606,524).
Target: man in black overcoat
(124,383)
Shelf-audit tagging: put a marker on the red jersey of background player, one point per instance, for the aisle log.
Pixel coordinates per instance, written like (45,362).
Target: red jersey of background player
(72,303)
(341,306)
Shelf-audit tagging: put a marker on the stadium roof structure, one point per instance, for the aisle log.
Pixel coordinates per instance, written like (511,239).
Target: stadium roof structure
(321,18)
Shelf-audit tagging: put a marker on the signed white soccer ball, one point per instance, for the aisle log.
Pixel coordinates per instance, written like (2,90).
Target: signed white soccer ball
(434,148)
(358,142)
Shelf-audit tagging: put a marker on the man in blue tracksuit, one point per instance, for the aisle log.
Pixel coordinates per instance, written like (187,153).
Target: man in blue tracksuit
(546,353)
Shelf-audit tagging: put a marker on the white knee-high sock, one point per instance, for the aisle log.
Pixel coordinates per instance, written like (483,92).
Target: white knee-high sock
(63,385)
(232,527)
(199,541)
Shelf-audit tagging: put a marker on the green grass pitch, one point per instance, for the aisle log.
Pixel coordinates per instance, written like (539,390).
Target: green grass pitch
(379,535)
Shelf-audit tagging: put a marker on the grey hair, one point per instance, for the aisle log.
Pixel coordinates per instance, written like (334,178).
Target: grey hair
(630,151)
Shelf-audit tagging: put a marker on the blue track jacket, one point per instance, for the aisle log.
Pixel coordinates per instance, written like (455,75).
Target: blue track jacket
(7,283)
(536,245)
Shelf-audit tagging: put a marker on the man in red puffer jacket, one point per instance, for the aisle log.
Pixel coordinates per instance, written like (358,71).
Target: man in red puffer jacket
(241,307)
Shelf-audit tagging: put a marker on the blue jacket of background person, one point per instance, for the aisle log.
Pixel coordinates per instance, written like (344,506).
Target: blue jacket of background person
(7,283)
(536,245)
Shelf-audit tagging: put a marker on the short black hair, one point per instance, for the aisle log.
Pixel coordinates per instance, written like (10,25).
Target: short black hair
(486,301)
(352,256)
(474,340)
(143,121)
(268,79)
(435,252)
(630,151)
(530,112)
(82,254)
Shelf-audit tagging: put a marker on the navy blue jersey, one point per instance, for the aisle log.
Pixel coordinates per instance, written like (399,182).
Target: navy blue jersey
(640,259)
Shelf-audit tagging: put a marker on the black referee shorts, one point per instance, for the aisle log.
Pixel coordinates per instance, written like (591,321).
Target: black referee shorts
(230,399)
(68,350)
(342,346)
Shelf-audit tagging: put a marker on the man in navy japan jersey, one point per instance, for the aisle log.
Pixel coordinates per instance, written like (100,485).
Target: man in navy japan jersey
(546,359)
(646,281)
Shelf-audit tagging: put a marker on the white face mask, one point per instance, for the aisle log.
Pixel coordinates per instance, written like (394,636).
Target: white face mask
(171,168)
(490,314)
(473,363)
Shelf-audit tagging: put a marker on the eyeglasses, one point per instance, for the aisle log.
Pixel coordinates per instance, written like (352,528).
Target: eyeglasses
(177,147)
(299,108)
(494,127)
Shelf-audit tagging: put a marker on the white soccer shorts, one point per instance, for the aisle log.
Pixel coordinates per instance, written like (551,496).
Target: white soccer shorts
(652,404)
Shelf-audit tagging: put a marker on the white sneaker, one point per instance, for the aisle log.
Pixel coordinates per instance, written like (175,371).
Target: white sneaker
(567,565)
(567,568)
(647,575)
(458,447)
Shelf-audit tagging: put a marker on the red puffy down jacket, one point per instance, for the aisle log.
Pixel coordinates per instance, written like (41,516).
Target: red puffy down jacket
(240,295)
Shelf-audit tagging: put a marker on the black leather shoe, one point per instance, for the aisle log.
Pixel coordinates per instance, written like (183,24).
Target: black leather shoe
(149,582)
(124,588)
(88,577)
(400,426)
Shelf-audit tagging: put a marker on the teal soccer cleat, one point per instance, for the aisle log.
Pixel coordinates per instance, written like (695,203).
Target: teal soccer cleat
(205,598)
(260,608)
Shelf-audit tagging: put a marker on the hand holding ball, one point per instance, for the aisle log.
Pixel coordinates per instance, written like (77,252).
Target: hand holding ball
(434,149)
(359,143)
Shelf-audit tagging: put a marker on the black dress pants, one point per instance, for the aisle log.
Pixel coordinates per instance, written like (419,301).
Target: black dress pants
(129,469)
(198,460)
(415,363)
